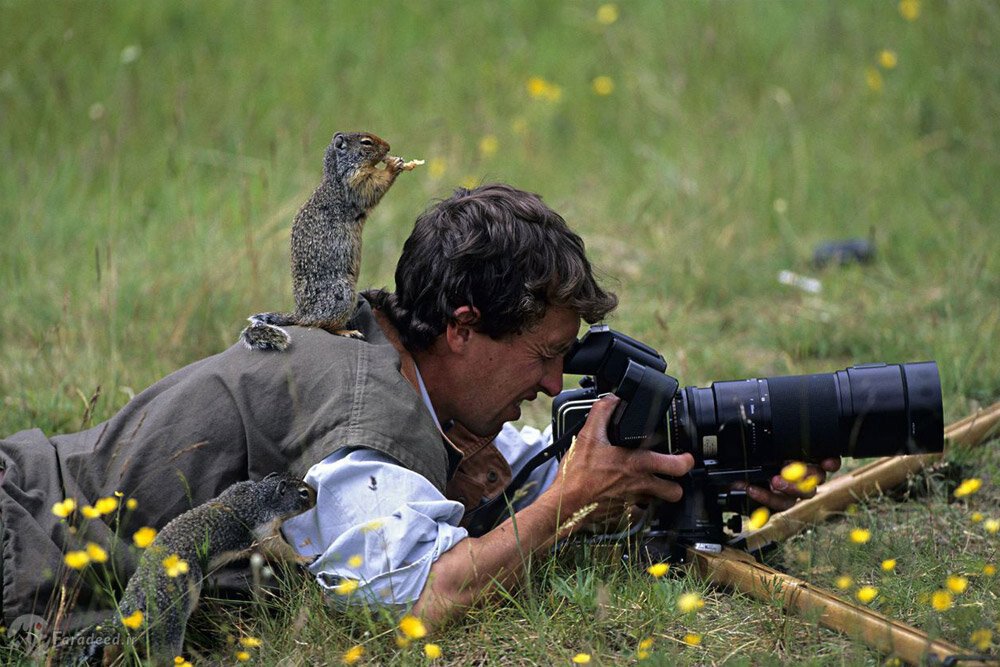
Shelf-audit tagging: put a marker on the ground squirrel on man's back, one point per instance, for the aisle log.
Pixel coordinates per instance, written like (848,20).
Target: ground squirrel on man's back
(167,583)
(326,240)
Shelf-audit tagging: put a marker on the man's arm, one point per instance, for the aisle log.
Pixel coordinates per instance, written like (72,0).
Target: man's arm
(594,477)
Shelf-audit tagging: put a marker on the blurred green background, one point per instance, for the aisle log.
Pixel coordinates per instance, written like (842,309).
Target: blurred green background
(153,155)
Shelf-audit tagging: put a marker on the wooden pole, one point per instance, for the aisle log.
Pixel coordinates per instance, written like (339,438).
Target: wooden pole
(737,569)
(877,476)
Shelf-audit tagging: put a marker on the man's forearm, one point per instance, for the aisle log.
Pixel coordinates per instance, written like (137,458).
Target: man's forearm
(474,566)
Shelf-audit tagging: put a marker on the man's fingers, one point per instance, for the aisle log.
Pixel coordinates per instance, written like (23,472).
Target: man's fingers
(776,501)
(663,488)
(600,415)
(673,465)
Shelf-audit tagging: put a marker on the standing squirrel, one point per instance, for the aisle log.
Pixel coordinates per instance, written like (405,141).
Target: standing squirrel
(326,240)
(167,583)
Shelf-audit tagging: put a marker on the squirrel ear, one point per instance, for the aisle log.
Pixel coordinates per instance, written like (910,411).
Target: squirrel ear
(338,141)
(280,491)
(271,474)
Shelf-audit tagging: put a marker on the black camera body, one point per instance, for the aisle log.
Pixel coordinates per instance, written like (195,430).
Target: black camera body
(743,430)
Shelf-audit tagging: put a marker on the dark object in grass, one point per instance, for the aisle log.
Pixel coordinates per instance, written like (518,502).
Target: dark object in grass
(844,251)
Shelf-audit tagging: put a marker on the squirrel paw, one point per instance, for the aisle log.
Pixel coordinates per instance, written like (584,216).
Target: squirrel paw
(349,333)
(261,336)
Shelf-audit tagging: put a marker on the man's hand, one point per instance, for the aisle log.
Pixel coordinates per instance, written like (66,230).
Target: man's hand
(782,494)
(593,472)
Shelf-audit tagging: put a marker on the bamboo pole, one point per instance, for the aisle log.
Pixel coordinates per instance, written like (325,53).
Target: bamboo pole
(736,569)
(881,474)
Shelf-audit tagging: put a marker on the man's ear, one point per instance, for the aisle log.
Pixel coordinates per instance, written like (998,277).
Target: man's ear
(461,327)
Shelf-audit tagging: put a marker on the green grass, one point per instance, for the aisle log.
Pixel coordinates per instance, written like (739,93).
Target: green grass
(145,209)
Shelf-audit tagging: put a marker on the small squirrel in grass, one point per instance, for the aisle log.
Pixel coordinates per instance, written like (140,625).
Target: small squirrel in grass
(167,583)
(326,240)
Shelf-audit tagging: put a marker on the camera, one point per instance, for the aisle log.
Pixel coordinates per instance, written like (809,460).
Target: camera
(744,430)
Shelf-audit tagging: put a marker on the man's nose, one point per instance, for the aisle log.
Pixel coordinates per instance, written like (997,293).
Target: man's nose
(552,380)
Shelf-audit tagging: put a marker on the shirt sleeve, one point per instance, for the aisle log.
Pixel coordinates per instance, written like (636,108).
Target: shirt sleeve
(375,523)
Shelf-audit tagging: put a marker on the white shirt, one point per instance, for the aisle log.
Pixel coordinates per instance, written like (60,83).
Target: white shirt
(383,525)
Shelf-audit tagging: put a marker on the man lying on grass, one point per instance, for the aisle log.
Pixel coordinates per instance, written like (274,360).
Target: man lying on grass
(401,433)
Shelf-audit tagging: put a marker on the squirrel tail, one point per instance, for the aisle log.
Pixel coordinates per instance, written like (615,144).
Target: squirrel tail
(265,332)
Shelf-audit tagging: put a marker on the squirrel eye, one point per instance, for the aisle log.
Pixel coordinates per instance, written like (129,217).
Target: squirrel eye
(366,142)
(304,493)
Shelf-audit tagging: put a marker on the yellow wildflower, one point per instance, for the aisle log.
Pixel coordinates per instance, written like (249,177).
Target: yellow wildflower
(402,641)
(989,570)
(968,487)
(436,167)
(178,659)
(658,569)
(77,559)
(133,620)
(64,508)
(688,602)
(489,145)
(887,58)
(242,656)
(910,9)
(692,638)
(866,593)
(607,14)
(131,503)
(759,517)
(844,582)
(106,505)
(889,564)
(941,600)
(977,517)
(432,651)
(793,472)
(808,485)
(602,85)
(981,638)
(89,512)
(957,584)
(991,526)
(143,537)
(412,627)
(874,80)
(96,553)
(539,88)
(355,561)
(860,535)
(581,658)
(354,654)
(175,566)
(346,587)
(250,642)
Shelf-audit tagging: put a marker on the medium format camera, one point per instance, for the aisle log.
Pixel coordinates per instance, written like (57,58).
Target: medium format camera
(744,430)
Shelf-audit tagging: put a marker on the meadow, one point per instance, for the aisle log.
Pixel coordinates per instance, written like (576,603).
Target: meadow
(154,154)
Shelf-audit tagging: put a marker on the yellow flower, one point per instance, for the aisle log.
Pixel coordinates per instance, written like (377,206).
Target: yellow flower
(106,505)
(910,9)
(581,658)
(412,627)
(89,512)
(977,517)
(887,58)
(968,487)
(889,564)
(242,656)
(432,651)
(355,561)
(793,472)
(866,593)
(77,559)
(96,553)
(981,638)
(436,167)
(346,587)
(250,642)
(941,600)
(658,569)
(989,570)
(844,582)
(809,484)
(133,621)
(179,660)
(991,526)
(354,654)
(64,508)
(175,566)
(758,518)
(539,88)
(957,584)
(607,14)
(688,602)
(603,85)
(143,537)
(131,503)
(692,638)
(874,80)
(402,641)
(489,145)
(860,535)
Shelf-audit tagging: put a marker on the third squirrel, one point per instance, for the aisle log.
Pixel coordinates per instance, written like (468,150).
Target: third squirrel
(326,240)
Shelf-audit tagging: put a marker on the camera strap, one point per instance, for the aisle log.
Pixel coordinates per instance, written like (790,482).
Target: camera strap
(486,517)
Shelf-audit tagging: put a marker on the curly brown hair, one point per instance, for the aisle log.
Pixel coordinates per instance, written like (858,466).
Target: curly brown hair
(499,250)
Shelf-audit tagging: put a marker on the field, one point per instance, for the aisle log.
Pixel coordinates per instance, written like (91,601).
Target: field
(154,154)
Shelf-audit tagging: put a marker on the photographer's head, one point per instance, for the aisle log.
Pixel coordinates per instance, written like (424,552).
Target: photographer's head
(490,289)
